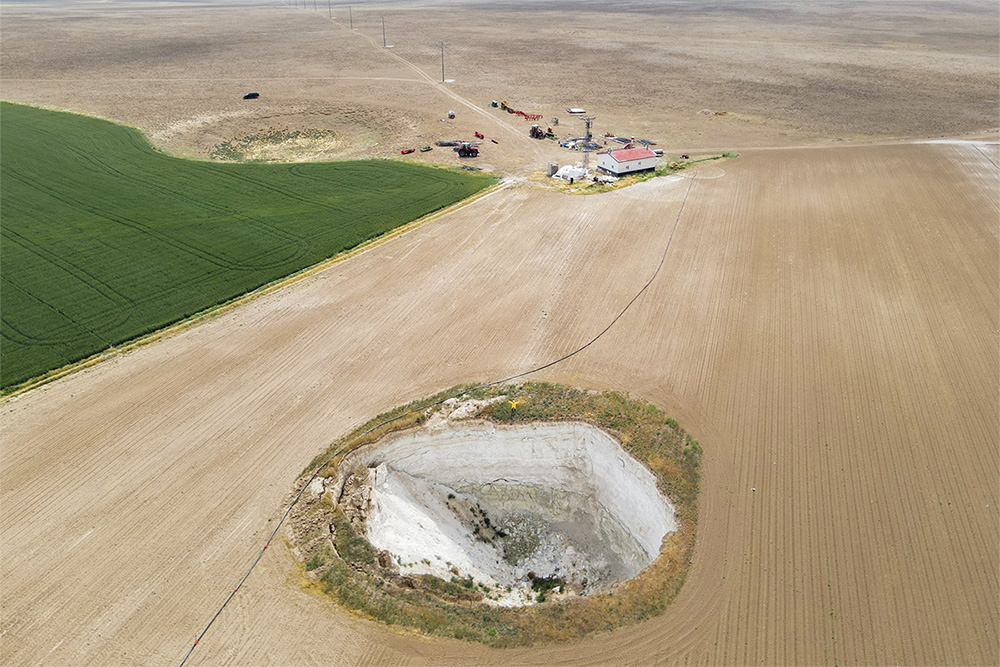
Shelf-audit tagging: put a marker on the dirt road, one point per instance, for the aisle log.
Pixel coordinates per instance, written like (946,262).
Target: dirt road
(826,325)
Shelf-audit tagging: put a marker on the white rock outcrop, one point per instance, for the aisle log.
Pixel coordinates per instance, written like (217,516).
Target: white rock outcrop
(498,503)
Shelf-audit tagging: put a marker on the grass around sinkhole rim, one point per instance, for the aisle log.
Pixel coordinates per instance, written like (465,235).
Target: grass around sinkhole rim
(348,569)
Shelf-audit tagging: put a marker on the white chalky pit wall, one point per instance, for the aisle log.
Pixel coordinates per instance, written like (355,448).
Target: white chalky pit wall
(499,503)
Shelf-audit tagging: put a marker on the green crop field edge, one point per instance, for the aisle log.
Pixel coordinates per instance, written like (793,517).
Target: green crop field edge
(216,310)
(106,240)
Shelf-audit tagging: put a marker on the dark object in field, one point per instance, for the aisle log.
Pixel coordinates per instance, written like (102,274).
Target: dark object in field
(251,96)
(467,149)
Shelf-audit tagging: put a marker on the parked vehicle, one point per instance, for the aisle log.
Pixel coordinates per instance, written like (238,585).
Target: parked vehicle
(466,149)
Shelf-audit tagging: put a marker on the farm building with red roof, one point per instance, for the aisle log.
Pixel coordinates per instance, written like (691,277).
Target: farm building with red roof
(627,161)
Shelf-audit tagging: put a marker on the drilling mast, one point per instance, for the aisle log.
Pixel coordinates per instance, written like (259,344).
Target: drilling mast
(588,122)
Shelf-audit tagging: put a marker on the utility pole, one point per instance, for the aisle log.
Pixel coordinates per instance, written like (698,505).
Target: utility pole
(588,122)
(350,12)
(329,9)
(442,62)
(383,32)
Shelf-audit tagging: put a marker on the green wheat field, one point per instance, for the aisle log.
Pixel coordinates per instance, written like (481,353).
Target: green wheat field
(103,239)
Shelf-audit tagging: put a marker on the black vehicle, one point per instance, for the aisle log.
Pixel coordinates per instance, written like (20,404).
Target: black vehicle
(251,96)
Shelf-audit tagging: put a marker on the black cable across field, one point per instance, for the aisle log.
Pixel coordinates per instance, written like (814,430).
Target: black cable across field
(319,469)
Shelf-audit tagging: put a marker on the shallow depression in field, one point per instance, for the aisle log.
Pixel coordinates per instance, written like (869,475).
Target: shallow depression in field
(512,509)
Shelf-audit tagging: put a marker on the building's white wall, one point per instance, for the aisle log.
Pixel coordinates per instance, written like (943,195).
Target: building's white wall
(605,161)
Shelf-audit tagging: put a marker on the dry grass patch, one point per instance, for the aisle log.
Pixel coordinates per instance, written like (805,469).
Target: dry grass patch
(273,145)
(669,165)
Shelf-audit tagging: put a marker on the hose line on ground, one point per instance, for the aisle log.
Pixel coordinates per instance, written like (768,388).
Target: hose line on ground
(484,385)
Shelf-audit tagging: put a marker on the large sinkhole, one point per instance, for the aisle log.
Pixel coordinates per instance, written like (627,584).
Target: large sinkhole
(508,514)
(558,507)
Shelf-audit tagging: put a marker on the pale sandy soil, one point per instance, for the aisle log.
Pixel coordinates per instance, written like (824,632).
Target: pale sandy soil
(826,323)
(834,347)
(786,73)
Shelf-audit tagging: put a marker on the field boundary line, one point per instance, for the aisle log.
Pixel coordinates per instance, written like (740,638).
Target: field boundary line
(219,309)
(442,88)
(984,154)
(490,383)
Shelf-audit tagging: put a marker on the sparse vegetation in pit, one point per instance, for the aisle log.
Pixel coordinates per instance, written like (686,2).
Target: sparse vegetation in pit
(542,585)
(277,145)
(366,582)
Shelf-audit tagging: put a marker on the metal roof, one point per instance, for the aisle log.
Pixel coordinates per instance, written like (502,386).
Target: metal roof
(629,154)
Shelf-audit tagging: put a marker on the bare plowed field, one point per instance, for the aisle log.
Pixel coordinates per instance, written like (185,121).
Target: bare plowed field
(687,74)
(825,324)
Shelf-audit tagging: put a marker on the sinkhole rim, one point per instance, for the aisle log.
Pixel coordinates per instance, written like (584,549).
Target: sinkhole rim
(335,560)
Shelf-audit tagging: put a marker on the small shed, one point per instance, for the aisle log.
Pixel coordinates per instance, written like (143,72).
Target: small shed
(627,161)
